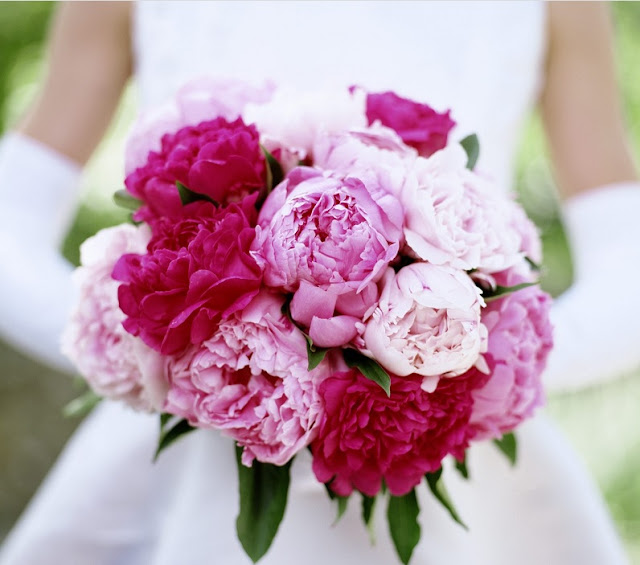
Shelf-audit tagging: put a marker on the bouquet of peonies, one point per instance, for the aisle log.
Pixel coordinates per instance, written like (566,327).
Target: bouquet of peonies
(320,271)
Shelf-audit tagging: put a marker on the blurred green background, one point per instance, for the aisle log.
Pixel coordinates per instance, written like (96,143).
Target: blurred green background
(602,422)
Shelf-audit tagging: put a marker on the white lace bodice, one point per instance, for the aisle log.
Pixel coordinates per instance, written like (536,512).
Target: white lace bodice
(481,59)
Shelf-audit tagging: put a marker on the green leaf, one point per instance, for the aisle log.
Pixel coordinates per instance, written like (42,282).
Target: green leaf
(440,492)
(368,506)
(275,173)
(164,420)
(82,405)
(314,354)
(509,446)
(187,196)
(263,499)
(535,266)
(472,147)
(461,466)
(170,434)
(402,514)
(123,199)
(342,502)
(500,291)
(368,367)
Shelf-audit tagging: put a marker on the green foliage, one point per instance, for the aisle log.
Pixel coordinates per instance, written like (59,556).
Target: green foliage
(508,445)
(22,31)
(263,499)
(402,514)
(369,368)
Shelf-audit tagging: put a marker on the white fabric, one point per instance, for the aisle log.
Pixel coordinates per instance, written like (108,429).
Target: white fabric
(597,321)
(37,201)
(106,503)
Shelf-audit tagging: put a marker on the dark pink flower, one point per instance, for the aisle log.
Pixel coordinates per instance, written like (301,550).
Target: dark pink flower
(196,272)
(419,125)
(217,158)
(366,437)
(520,338)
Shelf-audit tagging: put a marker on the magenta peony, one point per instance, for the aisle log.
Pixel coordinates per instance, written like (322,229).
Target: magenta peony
(418,125)
(366,437)
(198,271)
(199,100)
(520,338)
(219,159)
(427,322)
(115,364)
(250,380)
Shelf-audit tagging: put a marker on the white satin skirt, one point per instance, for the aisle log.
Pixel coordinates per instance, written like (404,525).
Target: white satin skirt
(105,502)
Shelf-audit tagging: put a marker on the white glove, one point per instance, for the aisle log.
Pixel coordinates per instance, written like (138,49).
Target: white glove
(597,321)
(37,202)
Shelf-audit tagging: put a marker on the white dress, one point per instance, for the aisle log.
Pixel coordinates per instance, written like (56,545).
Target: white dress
(106,503)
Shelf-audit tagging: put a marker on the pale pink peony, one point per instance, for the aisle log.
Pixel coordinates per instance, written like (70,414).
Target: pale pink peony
(520,338)
(116,364)
(455,217)
(294,119)
(201,99)
(250,380)
(366,437)
(427,322)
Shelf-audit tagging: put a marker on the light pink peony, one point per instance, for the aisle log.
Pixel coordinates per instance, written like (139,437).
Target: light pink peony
(294,119)
(455,217)
(116,364)
(326,230)
(366,437)
(201,99)
(520,338)
(427,322)
(250,380)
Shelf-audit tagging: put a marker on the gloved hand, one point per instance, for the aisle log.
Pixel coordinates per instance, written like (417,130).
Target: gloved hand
(37,202)
(597,320)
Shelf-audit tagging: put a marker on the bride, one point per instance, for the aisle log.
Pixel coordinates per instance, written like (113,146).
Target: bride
(104,502)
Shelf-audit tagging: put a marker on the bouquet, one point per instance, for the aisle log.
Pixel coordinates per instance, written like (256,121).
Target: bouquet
(324,271)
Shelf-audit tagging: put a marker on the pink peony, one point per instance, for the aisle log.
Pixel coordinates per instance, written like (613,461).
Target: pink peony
(418,125)
(114,363)
(197,272)
(250,380)
(455,217)
(366,437)
(427,322)
(325,229)
(328,231)
(201,99)
(219,159)
(520,338)
(375,155)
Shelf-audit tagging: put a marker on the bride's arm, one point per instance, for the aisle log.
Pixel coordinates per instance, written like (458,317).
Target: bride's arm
(89,63)
(581,103)
(597,322)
